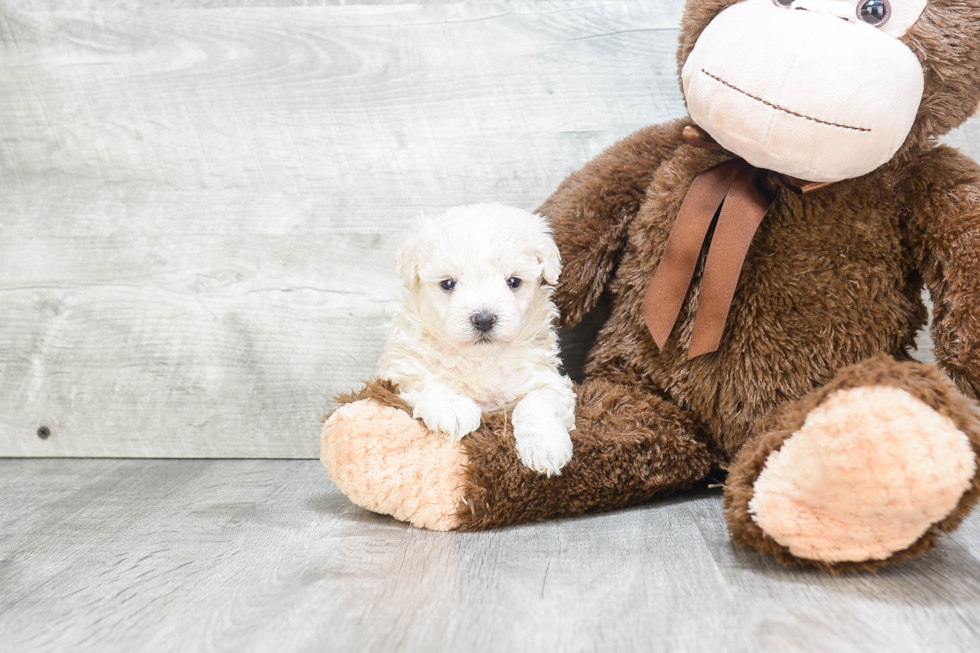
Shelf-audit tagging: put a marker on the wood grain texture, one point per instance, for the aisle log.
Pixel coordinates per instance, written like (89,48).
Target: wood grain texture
(103,555)
(143,5)
(198,207)
(199,200)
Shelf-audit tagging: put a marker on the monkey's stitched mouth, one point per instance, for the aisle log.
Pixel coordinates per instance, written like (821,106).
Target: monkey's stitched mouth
(783,109)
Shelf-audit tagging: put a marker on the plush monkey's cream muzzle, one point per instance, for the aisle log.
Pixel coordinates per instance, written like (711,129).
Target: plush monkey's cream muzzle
(812,94)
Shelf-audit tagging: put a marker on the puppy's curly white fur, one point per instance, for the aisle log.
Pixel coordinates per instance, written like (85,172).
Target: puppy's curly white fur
(474,330)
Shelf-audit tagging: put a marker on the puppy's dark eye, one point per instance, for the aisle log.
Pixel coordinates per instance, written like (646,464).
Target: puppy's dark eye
(514,283)
(448,284)
(783,3)
(874,12)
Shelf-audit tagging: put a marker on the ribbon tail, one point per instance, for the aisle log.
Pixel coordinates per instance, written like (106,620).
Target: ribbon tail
(743,212)
(697,137)
(665,296)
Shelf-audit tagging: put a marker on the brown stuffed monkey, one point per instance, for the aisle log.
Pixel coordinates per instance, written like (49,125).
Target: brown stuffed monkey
(765,259)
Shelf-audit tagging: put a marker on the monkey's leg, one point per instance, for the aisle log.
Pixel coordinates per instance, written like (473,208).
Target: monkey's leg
(869,470)
(629,446)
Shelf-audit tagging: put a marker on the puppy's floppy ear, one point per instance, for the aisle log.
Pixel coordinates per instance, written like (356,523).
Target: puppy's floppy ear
(406,261)
(546,251)
(408,258)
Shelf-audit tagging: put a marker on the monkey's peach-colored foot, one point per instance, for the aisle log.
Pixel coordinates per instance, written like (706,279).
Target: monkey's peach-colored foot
(868,473)
(389,463)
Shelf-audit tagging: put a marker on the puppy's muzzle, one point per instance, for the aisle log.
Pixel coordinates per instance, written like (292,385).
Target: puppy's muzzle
(483,321)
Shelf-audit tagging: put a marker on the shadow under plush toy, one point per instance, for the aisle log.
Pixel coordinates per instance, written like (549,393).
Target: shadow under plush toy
(784,319)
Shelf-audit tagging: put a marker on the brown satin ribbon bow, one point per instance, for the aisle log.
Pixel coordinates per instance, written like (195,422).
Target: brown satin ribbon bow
(740,195)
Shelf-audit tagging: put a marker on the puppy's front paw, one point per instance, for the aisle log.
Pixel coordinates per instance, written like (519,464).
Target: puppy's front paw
(453,415)
(543,445)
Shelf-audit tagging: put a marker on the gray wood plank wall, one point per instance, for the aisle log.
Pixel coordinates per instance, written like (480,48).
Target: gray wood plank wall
(199,200)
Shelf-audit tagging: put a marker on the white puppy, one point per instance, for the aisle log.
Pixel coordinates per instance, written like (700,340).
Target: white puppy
(474,330)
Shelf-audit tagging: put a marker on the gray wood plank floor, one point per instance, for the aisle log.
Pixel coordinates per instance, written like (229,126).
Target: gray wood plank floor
(150,555)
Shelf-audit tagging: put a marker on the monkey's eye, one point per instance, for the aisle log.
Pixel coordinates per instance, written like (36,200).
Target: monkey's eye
(514,283)
(448,284)
(783,3)
(874,12)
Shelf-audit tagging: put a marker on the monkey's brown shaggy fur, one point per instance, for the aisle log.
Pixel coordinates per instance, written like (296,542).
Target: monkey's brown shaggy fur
(829,298)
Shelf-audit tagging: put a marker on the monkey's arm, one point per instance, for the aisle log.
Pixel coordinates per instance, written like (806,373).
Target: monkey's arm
(944,194)
(591,210)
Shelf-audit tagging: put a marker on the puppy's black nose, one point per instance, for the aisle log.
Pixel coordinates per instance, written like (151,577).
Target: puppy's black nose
(483,321)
